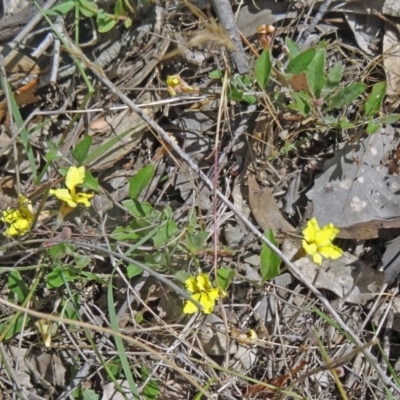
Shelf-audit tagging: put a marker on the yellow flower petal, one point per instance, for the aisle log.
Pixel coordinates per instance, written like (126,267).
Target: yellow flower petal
(332,252)
(326,235)
(318,242)
(190,307)
(75,176)
(213,294)
(317,258)
(10,215)
(310,249)
(191,284)
(207,302)
(203,282)
(311,230)
(204,292)
(64,195)
(83,198)
(25,207)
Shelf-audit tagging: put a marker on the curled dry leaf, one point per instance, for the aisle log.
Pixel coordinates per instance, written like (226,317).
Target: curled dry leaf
(265,209)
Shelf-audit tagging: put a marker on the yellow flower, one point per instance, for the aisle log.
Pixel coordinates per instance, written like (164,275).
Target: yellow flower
(75,176)
(318,241)
(18,220)
(203,292)
(175,85)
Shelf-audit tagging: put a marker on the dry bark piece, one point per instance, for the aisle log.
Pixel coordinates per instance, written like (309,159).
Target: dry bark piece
(224,11)
(264,208)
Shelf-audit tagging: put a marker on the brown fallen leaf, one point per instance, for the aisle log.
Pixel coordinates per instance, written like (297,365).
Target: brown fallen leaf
(368,230)
(262,392)
(264,208)
(26,94)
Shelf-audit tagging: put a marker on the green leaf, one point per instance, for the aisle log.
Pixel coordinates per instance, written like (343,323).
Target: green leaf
(121,234)
(294,49)
(196,241)
(81,150)
(17,286)
(128,23)
(346,124)
(137,209)
(151,390)
(59,275)
(133,270)
(81,261)
(140,181)
(60,249)
(19,323)
(301,62)
(90,182)
(126,366)
(316,73)
(89,394)
(216,74)
(88,8)
(119,9)
(263,68)
(372,126)
(270,262)
(375,100)
(115,366)
(62,8)
(249,99)
(235,94)
(346,95)
(105,22)
(53,155)
(334,76)
(224,276)
(301,104)
(390,119)
(166,232)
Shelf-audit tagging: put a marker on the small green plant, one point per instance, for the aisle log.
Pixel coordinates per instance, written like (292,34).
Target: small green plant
(240,87)
(89,9)
(315,92)
(320,94)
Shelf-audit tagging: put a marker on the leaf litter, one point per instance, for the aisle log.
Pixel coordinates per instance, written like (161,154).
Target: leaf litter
(310,131)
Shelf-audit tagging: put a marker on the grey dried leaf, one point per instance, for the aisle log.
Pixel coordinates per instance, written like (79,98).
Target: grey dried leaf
(355,187)
(391,260)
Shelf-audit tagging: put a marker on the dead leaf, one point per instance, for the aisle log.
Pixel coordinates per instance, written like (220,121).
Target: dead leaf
(391,60)
(16,62)
(262,12)
(26,94)
(368,230)
(299,83)
(391,261)
(262,392)
(346,277)
(265,209)
(128,128)
(366,29)
(395,306)
(355,186)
